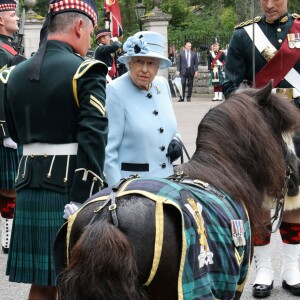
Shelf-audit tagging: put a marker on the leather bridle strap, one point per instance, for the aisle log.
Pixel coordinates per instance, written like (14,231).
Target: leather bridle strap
(278,214)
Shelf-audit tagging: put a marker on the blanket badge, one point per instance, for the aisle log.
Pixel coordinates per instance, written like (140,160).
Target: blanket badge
(238,232)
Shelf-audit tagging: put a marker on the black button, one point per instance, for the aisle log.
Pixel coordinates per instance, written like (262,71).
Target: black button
(162,148)
(161,130)
(155,112)
(163,165)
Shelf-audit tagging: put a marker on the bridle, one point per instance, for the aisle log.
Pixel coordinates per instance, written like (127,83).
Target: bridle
(278,214)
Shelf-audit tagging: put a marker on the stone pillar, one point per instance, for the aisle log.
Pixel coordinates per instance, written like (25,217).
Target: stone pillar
(32,27)
(158,21)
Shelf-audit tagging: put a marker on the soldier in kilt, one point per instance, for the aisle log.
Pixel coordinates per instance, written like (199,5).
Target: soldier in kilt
(276,56)
(9,151)
(61,122)
(216,61)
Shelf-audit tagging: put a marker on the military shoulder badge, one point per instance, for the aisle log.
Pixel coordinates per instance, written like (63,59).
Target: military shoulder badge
(243,24)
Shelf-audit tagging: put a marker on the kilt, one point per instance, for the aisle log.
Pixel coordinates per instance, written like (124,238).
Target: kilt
(9,161)
(38,217)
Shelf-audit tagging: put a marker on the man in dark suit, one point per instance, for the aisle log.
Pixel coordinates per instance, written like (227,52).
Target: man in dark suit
(187,68)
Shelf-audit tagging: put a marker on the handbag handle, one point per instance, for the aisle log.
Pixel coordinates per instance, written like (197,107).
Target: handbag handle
(184,149)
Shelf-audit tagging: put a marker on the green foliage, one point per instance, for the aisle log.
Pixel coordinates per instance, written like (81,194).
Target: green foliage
(178,9)
(201,18)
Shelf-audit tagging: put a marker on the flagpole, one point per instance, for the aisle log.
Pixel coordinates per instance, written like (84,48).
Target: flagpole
(253,47)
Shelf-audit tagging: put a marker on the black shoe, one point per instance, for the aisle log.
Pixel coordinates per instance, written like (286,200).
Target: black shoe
(261,290)
(188,99)
(181,100)
(294,289)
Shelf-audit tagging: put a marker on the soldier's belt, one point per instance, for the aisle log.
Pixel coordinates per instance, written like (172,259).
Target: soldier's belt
(290,93)
(268,53)
(50,149)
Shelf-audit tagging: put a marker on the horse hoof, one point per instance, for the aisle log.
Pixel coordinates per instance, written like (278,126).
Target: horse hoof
(261,290)
(294,289)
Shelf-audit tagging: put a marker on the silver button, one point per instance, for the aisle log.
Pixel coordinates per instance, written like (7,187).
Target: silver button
(279,29)
(280,41)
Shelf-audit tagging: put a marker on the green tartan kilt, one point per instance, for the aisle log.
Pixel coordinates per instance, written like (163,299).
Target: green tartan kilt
(9,161)
(38,217)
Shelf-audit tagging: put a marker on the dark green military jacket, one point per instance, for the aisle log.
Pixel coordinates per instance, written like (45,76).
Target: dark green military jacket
(66,105)
(104,52)
(240,54)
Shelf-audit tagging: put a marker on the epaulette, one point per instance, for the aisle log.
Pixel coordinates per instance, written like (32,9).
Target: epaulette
(296,16)
(82,69)
(243,24)
(86,65)
(4,75)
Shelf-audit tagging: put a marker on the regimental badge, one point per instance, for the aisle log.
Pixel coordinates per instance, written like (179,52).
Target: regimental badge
(238,232)
(294,40)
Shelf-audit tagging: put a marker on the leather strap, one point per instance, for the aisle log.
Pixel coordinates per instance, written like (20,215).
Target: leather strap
(282,62)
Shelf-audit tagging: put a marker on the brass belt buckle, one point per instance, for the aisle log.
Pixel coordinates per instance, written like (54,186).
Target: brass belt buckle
(268,53)
(287,93)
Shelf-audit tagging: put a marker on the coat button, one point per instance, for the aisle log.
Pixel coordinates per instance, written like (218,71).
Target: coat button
(162,148)
(163,165)
(280,41)
(278,29)
(161,130)
(155,112)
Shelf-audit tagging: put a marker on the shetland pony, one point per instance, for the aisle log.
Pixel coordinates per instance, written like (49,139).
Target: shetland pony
(186,237)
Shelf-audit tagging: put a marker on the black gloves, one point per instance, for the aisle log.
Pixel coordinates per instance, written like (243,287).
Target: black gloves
(174,150)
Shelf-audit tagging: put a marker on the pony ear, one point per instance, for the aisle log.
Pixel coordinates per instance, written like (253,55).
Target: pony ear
(263,95)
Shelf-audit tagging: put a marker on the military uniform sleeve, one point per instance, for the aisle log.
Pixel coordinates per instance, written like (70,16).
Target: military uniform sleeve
(115,111)
(106,49)
(4,60)
(7,128)
(235,64)
(91,132)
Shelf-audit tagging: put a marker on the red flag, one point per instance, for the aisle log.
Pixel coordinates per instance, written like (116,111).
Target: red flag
(112,8)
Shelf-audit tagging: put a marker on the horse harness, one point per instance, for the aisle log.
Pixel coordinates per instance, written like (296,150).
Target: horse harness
(279,208)
(199,254)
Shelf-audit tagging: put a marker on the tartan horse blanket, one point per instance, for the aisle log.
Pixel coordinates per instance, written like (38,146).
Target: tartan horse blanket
(216,246)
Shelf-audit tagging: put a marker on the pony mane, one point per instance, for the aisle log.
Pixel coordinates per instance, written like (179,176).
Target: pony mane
(239,147)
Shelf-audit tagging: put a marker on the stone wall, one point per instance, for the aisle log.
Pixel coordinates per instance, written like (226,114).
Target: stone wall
(201,83)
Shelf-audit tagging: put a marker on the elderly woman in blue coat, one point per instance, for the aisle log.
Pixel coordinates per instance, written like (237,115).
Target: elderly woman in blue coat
(143,135)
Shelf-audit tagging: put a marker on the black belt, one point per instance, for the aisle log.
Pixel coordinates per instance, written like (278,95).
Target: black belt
(135,167)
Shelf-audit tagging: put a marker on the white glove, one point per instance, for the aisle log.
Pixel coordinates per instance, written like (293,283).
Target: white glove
(114,39)
(9,143)
(70,209)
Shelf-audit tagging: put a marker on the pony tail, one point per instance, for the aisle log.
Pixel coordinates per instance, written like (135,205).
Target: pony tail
(102,266)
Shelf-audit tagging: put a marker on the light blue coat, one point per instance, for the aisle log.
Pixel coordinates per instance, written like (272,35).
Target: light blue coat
(140,128)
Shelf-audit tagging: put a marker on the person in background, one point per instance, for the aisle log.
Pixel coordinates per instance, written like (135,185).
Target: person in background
(143,135)
(277,57)
(187,68)
(10,152)
(172,54)
(63,129)
(121,68)
(216,60)
(106,51)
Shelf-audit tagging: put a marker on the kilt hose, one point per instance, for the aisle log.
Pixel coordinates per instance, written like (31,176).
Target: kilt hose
(38,217)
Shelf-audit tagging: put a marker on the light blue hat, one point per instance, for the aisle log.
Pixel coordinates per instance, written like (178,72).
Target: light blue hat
(146,44)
